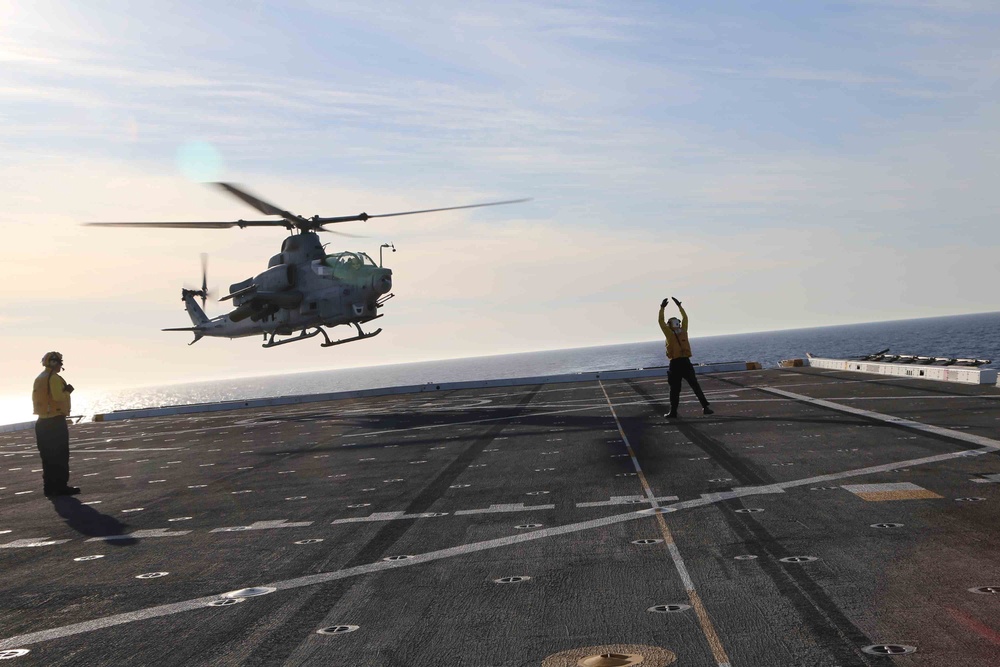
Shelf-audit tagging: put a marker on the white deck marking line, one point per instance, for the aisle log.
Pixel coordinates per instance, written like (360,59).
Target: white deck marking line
(624,500)
(112,451)
(387,516)
(929,397)
(141,534)
(704,620)
(510,507)
(987,444)
(75,450)
(707,499)
(596,406)
(32,542)
(314,579)
(263,525)
(650,496)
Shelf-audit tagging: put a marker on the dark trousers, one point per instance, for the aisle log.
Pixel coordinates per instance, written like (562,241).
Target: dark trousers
(52,437)
(682,369)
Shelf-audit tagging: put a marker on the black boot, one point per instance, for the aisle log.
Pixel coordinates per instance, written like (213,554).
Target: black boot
(709,411)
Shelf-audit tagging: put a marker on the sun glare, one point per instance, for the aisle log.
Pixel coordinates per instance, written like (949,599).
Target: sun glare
(15,409)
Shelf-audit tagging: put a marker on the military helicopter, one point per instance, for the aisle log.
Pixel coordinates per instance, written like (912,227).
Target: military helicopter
(304,289)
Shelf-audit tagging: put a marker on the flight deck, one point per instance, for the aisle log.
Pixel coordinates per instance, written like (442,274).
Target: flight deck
(819,517)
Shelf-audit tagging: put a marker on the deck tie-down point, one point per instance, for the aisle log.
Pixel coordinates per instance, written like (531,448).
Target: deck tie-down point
(612,655)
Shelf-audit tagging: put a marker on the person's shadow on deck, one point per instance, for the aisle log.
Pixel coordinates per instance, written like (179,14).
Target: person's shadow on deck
(86,520)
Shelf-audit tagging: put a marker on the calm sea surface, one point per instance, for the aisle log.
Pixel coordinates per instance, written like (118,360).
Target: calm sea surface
(975,336)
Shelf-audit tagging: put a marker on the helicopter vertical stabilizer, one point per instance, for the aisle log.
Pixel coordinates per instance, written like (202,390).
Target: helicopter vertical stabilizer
(197,315)
(194,311)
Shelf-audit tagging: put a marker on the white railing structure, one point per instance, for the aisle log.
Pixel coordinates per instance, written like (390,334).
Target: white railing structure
(960,374)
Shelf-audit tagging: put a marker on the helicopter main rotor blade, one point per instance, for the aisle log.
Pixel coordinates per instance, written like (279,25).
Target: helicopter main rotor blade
(258,203)
(196,225)
(365,216)
(321,228)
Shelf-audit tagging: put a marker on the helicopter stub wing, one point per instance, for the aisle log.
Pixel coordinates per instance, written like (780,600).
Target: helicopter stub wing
(246,290)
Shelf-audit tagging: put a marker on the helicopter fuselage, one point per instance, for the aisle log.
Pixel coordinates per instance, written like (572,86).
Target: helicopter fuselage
(302,288)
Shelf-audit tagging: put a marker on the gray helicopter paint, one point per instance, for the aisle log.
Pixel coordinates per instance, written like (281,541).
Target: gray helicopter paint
(317,296)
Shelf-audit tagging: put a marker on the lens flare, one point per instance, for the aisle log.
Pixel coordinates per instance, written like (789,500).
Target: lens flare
(199,161)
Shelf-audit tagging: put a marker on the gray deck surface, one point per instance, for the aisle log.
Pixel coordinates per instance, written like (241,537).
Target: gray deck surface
(552,482)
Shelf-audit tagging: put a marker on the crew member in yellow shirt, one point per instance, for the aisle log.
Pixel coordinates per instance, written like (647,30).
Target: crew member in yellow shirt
(679,353)
(50,397)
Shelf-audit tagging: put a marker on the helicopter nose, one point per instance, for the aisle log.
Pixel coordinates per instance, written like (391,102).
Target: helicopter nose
(382,283)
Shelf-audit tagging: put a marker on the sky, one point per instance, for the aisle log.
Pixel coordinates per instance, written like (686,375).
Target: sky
(774,165)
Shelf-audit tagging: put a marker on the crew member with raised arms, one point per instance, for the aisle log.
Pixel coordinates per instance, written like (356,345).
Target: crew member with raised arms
(50,398)
(679,353)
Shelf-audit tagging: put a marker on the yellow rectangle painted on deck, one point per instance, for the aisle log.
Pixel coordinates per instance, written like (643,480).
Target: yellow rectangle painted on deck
(896,495)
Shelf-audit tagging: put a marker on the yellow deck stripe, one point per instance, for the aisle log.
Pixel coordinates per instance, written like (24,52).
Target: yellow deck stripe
(707,627)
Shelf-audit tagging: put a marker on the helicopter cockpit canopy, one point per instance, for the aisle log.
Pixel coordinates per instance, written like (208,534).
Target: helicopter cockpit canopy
(342,264)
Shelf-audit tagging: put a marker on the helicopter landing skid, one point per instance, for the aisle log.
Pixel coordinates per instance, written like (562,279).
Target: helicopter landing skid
(304,334)
(361,335)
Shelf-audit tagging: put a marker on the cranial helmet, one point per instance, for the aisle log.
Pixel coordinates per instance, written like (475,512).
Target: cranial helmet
(51,357)
(674,323)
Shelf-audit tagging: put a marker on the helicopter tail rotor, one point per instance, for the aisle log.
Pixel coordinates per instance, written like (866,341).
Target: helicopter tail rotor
(203,292)
(204,278)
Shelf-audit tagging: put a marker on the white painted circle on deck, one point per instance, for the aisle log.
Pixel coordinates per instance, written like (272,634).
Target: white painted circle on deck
(225,602)
(249,592)
(337,629)
(12,653)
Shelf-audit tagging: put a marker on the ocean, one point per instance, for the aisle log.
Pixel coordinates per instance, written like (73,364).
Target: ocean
(969,336)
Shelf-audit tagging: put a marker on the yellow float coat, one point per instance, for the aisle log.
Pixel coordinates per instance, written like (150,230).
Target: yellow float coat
(677,344)
(49,396)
